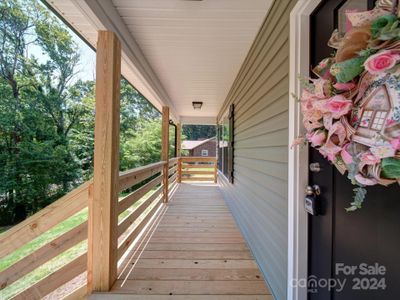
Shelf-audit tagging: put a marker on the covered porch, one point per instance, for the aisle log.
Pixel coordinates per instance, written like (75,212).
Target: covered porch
(180,228)
(175,238)
(193,249)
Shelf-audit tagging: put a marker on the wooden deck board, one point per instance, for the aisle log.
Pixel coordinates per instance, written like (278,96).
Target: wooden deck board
(191,287)
(195,252)
(106,296)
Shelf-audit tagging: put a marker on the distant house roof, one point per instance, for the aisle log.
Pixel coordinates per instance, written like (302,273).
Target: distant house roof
(189,145)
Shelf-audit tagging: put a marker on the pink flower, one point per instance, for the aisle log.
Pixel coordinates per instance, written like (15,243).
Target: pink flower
(322,88)
(338,106)
(344,86)
(390,122)
(335,141)
(367,158)
(330,150)
(395,144)
(320,105)
(337,133)
(328,121)
(381,61)
(365,181)
(317,138)
(346,156)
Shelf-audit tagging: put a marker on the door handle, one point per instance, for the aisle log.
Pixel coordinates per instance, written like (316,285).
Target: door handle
(314,190)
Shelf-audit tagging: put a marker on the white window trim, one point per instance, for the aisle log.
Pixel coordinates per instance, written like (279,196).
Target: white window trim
(223,117)
(204,151)
(298,156)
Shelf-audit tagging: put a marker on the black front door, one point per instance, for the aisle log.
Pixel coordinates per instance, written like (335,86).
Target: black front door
(344,246)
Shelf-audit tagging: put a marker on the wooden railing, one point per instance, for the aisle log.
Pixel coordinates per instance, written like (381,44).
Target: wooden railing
(145,201)
(197,169)
(134,209)
(34,227)
(173,172)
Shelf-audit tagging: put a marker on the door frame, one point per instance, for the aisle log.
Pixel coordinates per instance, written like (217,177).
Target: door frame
(299,64)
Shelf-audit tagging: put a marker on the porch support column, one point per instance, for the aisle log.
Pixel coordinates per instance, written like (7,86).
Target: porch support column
(178,150)
(102,234)
(165,149)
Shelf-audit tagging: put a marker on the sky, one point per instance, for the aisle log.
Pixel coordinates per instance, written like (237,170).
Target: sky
(87,65)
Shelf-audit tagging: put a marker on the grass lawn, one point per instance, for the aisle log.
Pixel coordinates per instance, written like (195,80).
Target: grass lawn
(2,229)
(55,263)
(51,265)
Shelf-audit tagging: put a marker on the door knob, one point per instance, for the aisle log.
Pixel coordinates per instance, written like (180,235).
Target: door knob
(314,190)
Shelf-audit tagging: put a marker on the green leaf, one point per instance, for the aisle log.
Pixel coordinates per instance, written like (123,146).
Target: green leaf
(305,83)
(367,52)
(380,23)
(359,196)
(346,70)
(391,167)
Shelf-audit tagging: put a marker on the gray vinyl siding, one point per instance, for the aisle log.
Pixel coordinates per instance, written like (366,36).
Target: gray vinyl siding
(258,197)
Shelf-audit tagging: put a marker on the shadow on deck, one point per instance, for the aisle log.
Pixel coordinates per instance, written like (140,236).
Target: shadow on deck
(192,250)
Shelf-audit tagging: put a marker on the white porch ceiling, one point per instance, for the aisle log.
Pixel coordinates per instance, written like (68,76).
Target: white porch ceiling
(193,49)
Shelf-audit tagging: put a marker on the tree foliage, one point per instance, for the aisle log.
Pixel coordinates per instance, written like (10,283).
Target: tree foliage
(47,113)
(197,132)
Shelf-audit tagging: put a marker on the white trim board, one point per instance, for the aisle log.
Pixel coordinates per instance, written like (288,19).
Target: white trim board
(298,156)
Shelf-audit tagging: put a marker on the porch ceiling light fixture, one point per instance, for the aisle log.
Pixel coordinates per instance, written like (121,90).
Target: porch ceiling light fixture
(197,104)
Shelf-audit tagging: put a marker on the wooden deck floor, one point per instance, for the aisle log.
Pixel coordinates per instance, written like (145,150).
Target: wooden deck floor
(195,251)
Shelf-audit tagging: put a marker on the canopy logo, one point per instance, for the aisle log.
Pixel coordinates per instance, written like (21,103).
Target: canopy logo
(360,277)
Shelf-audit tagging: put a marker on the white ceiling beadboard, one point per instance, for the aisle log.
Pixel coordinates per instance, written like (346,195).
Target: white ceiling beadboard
(75,17)
(195,47)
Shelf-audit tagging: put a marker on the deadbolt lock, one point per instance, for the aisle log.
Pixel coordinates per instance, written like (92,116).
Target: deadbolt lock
(311,201)
(315,167)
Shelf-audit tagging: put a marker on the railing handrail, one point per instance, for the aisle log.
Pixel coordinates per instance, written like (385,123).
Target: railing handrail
(139,170)
(40,222)
(198,158)
(43,254)
(173,160)
(188,168)
(66,207)
(131,177)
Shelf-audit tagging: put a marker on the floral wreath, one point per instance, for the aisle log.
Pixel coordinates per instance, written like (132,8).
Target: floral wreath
(351,112)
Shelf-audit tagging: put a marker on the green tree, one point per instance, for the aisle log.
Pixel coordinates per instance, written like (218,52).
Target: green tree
(144,145)
(47,113)
(37,164)
(196,132)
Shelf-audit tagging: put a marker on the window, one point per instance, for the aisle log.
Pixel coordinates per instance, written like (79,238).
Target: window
(225,144)
(373,121)
(366,118)
(204,152)
(223,140)
(379,120)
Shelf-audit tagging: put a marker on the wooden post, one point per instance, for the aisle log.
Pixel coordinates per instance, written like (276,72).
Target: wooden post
(103,218)
(215,170)
(178,139)
(165,149)
(178,151)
